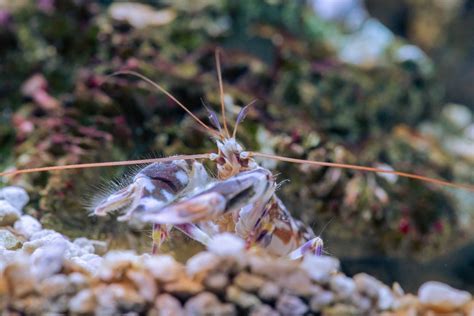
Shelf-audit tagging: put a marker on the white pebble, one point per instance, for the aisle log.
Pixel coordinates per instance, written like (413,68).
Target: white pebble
(8,213)
(89,262)
(375,289)
(91,246)
(115,264)
(320,268)
(164,268)
(48,260)
(226,244)
(343,286)
(27,225)
(83,302)
(201,262)
(442,296)
(43,238)
(16,196)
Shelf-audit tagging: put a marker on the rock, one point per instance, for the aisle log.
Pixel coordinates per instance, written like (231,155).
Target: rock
(216,282)
(55,286)
(321,300)
(43,238)
(271,267)
(208,304)
(183,288)
(248,282)
(226,244)
(91,246)
(458,115)
(140,15)
(8,240)
(83,302)
(168,305)
(242,299)
(269,291)
(89,262)
(320,268)
(77,281)
(3,292)
(115,264)
(297,283)
(145,285)
(363,303)
(8,213)
(202,263)
(115,297)
(442,297)
(20,278)
(48,260)
(6,257)
(291,305)
(164,268)
(27,225)
(30,305)
(16,196)
(263,310)
(344,287)
(375,289)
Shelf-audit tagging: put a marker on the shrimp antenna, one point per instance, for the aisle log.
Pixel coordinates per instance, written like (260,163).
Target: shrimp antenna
(104,164)
(221,90)
(163,90)
(242,114)
(363,168)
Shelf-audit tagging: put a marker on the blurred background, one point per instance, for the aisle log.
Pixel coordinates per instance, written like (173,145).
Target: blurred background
(363,82)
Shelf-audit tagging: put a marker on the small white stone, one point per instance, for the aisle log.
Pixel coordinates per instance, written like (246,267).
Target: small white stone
(201,262)
(164,268)
(442,296)
(89,262)
(43,238)
(48,260)
(343,286)
(8,213)
(86,246)
(16,196)
(83,302)
(78,281)
(140,15)
(8,240)
(27,225)
(320,268)
(226,244)
(385,298)
(54,286)
(320,300)
(115,263)
(458,115)
(375,289)
(6,257)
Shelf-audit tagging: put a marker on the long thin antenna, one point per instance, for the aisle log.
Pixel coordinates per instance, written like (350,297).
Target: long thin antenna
(221,90)
(104,164)
(363,168)
(157,86)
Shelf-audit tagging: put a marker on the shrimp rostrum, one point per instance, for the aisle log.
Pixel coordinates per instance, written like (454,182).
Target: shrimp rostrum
(177,192)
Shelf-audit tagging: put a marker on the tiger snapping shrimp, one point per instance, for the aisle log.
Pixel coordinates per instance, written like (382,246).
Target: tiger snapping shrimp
(177,192)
